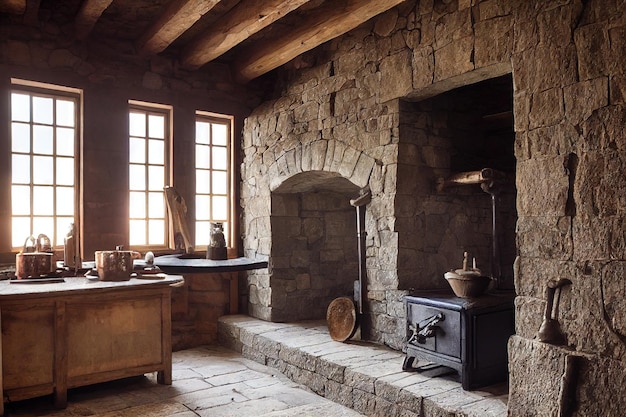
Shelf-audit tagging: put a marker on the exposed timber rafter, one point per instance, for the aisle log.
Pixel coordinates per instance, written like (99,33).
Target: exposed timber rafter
(89,13)
(13,6)
(244,20)
(326,23)
(179,16)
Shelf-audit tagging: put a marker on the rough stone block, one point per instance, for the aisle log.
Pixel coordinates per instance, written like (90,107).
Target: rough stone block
(494,41)
(396,74)
(545,186)
(339,393)
(554,241)
(592,43)
(454,58)
(546,108)
(536,393)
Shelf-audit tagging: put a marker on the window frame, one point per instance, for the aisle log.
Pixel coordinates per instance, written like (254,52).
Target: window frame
(229,232)
(55,92)
(167,111)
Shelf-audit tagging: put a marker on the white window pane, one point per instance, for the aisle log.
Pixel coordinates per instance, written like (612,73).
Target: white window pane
(65,113)
(203,233)
(202,156)
(42,169)
(21,230)
(156,126)
(137,232)
(42,140)
(65,141)
(43,200)
(156,232)
(20,137)
(137,124)
(63,224)
(202,132)
(220,182)
(20,169)
(203,207)
(156,178)
(20,107)
(20,200)
(44,225)
(219,207)
(65,171)
(219,158)
(156,206)
(156,152)
(42,110)
(65,202)
(203,179)
(220,134)
(137,177)
(137,150)
(137,207)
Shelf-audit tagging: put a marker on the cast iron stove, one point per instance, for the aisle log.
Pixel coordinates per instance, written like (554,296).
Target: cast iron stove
(468,336)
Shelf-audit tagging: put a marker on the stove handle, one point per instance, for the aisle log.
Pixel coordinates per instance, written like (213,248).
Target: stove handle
(425,329)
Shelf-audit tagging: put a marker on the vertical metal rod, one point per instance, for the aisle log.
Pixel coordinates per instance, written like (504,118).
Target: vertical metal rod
(360,232)
(495,246)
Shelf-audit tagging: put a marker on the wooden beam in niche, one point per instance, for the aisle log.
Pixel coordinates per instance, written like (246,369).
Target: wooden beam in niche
(89,13)
(175,20)
(244,20)
(324,24)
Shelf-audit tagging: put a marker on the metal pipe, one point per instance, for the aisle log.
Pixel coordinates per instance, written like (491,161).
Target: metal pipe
(360,288)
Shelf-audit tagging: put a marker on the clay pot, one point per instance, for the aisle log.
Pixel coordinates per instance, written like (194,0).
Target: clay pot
(467,286)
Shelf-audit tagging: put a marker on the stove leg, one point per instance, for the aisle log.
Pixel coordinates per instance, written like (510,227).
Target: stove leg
(407,365)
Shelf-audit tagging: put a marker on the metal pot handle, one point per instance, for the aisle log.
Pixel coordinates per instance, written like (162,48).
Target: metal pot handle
(31,248)
(46,246)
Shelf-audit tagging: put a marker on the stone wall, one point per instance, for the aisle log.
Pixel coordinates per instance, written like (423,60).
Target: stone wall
(567,59)
(314,253)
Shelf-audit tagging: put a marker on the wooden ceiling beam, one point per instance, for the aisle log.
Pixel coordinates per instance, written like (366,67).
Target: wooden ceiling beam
(244,20)
(323,24)
(179,16)
(89,13)
(13,6)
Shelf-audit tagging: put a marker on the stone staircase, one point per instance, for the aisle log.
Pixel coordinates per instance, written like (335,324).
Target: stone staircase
(363,376)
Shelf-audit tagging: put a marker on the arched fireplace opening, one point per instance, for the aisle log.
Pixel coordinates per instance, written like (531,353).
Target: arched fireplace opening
(314,254)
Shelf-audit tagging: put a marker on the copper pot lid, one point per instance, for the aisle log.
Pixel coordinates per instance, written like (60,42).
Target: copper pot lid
(341,318)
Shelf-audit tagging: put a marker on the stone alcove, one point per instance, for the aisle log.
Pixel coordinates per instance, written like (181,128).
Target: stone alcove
(314,244)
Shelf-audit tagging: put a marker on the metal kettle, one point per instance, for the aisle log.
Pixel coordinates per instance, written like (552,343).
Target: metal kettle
(35,260)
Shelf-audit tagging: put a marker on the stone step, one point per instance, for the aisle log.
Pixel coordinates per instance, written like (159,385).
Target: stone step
(363,376)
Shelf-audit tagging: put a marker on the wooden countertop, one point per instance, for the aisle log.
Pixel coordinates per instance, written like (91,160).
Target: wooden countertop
(60,286)
(176,264)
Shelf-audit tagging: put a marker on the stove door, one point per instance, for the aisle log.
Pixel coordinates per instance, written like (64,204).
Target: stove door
(444,337)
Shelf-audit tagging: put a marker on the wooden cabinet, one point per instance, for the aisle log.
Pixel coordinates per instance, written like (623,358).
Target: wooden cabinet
(57,336)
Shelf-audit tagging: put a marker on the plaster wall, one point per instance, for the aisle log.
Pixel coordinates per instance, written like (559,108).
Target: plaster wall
(108,78)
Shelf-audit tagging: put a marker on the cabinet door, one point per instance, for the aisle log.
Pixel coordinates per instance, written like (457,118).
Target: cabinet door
(28,345)
(113,335)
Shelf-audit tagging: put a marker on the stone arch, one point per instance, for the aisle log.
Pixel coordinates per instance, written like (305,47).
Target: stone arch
(329,156)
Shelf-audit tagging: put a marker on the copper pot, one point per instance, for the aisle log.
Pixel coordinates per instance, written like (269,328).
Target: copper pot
(35,260)
(114,265)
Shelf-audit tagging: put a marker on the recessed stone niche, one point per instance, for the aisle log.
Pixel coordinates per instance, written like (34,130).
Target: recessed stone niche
(463,130)
(314,245)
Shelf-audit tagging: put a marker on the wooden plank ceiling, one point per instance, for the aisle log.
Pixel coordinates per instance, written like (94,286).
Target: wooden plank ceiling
(252,36)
